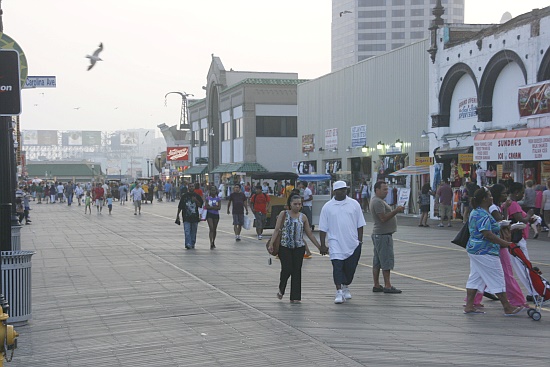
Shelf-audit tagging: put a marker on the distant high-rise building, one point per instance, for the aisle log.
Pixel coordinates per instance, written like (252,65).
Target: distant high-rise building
(366,28)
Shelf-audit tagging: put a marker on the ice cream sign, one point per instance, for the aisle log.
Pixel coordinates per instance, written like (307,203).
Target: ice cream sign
(508,146)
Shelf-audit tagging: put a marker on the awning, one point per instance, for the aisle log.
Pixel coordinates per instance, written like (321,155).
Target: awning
(514,145)
(412,170)
(196,170)
(449,153)
(239,167)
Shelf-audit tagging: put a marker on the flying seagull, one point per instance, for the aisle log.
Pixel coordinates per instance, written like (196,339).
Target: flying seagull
(95,57)
(345,12)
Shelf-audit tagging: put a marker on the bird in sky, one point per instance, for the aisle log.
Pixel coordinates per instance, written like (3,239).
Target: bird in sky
(345,12)
(76,108)
(95,57)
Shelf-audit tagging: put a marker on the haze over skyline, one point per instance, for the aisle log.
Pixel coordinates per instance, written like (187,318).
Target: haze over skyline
(152,48)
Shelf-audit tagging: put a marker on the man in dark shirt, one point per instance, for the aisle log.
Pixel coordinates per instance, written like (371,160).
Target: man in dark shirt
(189,207)
(238,199)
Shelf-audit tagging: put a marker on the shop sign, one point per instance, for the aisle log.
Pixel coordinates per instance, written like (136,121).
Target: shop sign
(177,154)
(466,158)
(393,150)
(546,169)
(423,161)
(467,108)
(513,149)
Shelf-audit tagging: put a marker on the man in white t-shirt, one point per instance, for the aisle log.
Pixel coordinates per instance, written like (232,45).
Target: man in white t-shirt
(307,202)
(342,222)
(137,194)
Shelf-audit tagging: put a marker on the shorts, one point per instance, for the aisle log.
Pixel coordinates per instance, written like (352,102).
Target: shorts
(260,219)
(383,251)
(137,203)
(238,219)
(98,202)
(425,208)
(247,194)
(212,216)
(110,206)
(445,212)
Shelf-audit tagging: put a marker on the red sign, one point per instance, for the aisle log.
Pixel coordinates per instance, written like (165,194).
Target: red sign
(177,154)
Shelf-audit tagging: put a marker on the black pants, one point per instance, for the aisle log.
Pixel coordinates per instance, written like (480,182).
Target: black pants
(291,265)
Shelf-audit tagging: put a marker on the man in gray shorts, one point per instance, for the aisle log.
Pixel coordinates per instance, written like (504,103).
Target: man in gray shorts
(385,224)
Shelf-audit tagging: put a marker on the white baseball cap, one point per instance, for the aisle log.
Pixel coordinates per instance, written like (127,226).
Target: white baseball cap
(339,185)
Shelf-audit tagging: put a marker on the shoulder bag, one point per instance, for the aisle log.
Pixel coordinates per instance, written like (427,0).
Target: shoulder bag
(462,237)
(277,242)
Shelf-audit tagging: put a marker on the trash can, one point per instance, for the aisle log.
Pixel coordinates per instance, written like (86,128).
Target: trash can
(16,284)
(16,238)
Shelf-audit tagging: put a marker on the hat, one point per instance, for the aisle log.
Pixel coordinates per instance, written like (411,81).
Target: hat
(339,185)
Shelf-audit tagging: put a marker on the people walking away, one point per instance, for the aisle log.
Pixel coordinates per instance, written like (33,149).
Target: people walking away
(40,192)
(53,193)
(529,197)
(88,202)
(240,206)
(445,196)
(365,196)
(291,226)
(385,224)
(69,193)
(341,225)
(483,249)
(213,205)
(122,192)
(168,190)
(188,206)
(424,202)
(259,203)
(137,195)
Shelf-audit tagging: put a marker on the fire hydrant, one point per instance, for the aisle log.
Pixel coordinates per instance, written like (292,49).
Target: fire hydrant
(8,335)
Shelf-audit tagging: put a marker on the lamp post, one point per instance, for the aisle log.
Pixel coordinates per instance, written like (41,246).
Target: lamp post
(148,172)
(93,174)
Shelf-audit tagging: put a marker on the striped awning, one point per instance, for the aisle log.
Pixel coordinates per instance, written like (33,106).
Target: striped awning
(412,170)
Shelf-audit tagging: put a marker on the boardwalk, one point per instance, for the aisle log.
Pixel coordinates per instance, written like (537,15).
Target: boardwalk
(120,290)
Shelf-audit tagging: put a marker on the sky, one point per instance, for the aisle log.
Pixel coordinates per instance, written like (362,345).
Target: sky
(152,47)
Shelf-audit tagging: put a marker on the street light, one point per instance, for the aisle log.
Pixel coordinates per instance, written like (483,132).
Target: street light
(93,173)
(184,118)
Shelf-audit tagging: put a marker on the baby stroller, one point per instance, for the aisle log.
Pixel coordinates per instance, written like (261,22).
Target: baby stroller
(536,281)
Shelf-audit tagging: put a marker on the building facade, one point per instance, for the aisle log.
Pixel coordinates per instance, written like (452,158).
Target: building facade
(363,122)
(247,123)
(365,28)
(489,101)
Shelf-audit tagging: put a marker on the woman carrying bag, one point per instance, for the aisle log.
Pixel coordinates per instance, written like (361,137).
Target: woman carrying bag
(291,225)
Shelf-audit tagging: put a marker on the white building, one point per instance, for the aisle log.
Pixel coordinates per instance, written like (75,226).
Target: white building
(489,101)
(366,28)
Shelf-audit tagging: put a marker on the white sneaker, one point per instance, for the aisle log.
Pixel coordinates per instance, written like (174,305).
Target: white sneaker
(339,297)
(347,293)
(238,238)
(260,237)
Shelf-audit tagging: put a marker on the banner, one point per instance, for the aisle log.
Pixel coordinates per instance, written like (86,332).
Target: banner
(177,154)
(534,99)
(306,167)
(47,137)
(90,138)
(331,138)
(358,136)
(128,138)
(308,143)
